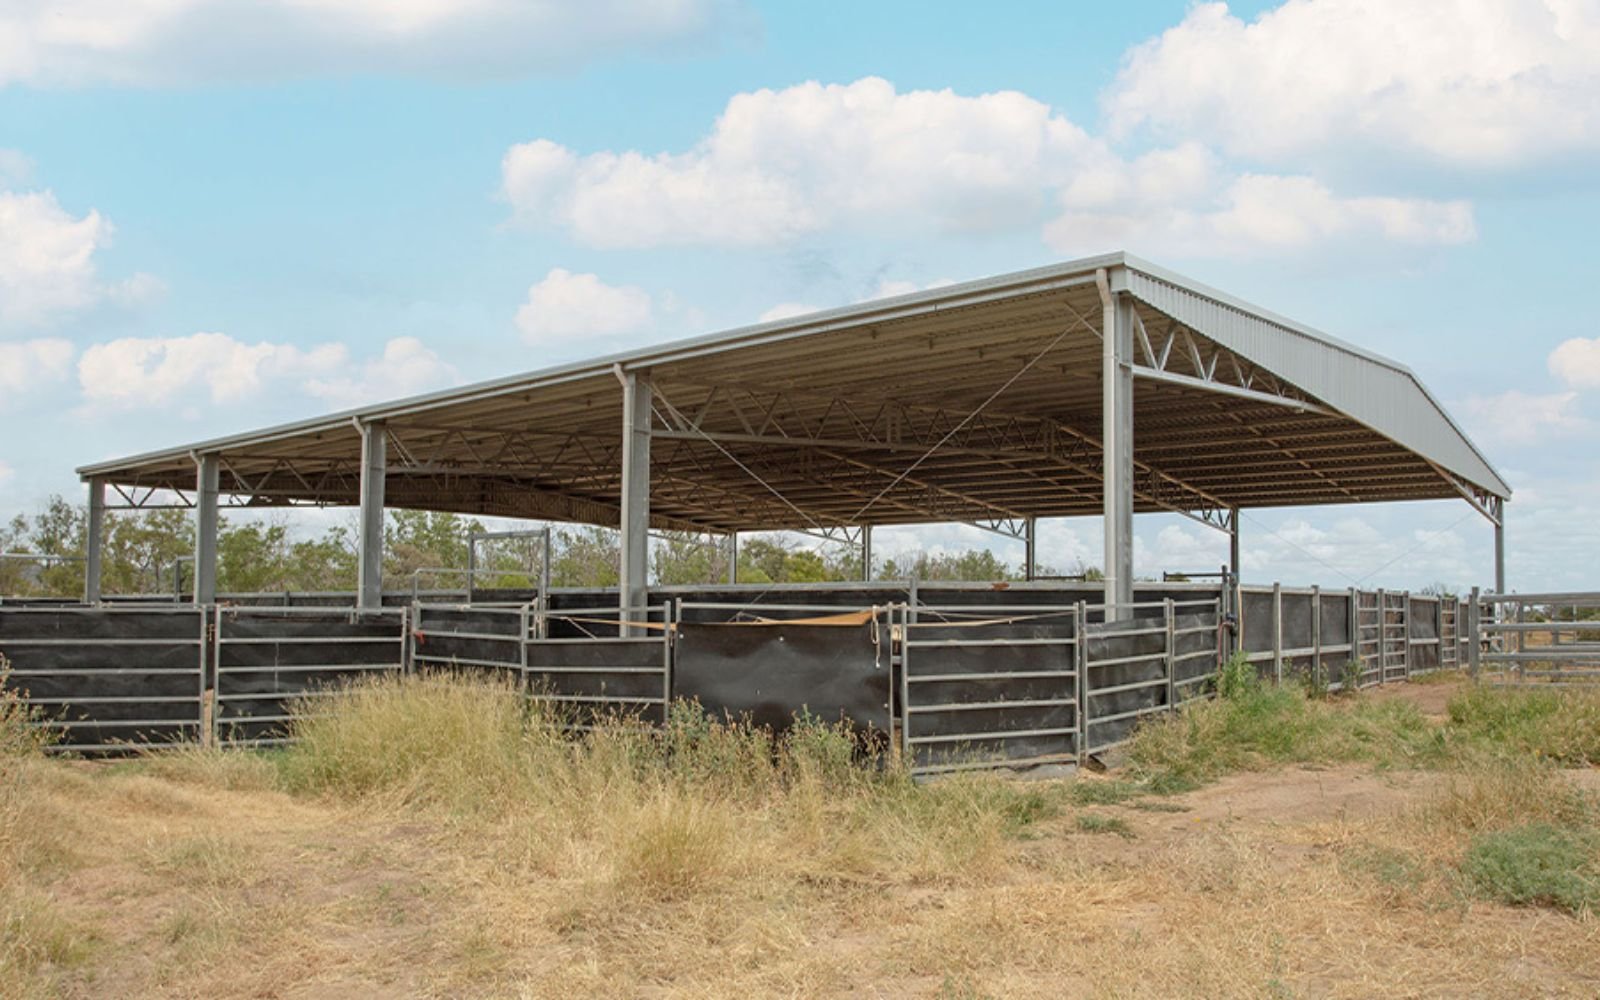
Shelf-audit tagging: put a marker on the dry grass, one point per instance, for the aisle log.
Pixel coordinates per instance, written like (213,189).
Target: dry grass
(433,839)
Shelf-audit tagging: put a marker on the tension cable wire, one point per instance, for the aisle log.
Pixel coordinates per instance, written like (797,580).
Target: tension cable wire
(964,421)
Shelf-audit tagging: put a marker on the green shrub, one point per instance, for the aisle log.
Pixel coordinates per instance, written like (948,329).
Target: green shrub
(1096,823)
(1536,864)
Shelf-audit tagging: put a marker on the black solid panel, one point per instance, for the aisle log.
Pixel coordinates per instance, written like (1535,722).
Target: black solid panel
(772,672)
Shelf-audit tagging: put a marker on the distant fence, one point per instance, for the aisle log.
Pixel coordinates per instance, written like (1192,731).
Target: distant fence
(1551,638)
(1333,638)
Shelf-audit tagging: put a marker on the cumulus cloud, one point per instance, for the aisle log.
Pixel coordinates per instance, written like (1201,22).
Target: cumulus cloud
(29,365)
(81,42)
(407,367)
(786,310)
(564,305)
(47,262)
(780,165)
(1516,417)
(1577,362)
(143,371)
(1471,83)
(1180,200)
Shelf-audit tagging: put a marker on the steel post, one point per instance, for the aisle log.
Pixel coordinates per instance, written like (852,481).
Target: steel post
(208,473)
(733,557)
(1030,546)
(1233,543)
(94,541)
(634,554)
(866,553)
(1116,432)
(374,470)
(1500,554)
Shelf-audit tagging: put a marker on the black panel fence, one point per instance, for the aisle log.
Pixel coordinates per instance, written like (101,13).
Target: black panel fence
(959,676)
(272,664)
(104,677)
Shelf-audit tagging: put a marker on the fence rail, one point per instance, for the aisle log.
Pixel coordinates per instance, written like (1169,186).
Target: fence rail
(1551,638)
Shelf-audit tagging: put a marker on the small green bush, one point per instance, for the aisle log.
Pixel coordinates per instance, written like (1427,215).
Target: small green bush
(1536,864)
(1096,823)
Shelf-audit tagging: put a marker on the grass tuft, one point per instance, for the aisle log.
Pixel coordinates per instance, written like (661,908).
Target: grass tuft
(1536,864)
(1099,823)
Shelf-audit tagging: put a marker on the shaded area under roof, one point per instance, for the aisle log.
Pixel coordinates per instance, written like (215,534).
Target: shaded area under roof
(973,402)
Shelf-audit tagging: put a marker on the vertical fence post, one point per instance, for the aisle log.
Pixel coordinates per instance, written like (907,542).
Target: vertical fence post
(1080,653)
(1474,651)
(208,648)
(1172,659)
(1383,636)
(1316,637)
(1405,621)
(1277,633)
(522,648)
(1355,635)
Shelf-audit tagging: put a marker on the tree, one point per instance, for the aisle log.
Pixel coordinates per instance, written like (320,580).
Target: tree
(585,556)
(419,539)
(967,565)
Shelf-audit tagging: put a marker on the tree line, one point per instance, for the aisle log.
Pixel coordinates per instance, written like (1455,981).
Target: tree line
(149,552)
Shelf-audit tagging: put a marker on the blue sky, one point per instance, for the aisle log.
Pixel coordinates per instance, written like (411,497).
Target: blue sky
(218,215)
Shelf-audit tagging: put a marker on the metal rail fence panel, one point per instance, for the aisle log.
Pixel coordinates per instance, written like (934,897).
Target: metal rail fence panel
(1144,665)
(1396,648)
(608,668)
(990,686)
(272,664)
(109,678)
(474,638)
(1547,639)
(1424,634)
(830,663)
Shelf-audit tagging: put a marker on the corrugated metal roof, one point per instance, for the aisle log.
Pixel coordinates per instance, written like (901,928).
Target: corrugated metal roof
(829,408)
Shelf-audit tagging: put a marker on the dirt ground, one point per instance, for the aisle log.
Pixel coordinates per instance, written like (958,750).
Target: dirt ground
(1265,884)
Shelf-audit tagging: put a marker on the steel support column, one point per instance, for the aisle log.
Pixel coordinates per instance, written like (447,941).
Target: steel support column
(634,555)
(374,469)
(866,553)
(94,540)
(1500,553)
(1233,544)
(208,472)
(1030,548)
(1116,434)
(733,557)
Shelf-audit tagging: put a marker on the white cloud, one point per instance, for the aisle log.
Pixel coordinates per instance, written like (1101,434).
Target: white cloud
(407,367)
(47,262)
(778,165)
(1515,417)
(564,305)
(782,163)
(1175,201)
(1577,362)
(16,168)
(1475,83)
(138,372)
(786,310)
(29,365)
(79,42)
(6,472)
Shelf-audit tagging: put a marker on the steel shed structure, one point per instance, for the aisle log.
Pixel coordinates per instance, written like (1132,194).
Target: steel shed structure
(995,402)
